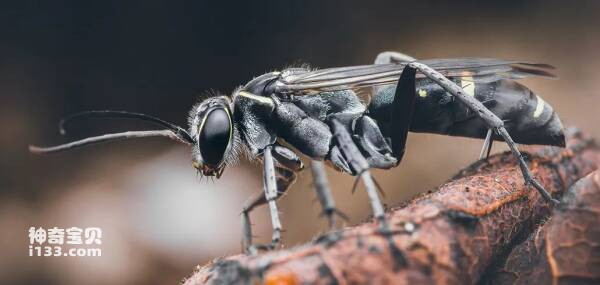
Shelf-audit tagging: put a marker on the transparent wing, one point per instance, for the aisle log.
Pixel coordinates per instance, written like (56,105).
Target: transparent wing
(354,77)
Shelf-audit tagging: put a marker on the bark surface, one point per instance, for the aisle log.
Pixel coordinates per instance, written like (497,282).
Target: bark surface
(483,226)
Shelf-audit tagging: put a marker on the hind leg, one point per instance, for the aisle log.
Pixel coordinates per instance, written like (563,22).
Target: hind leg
(487,145)
(388,57)
(490,119)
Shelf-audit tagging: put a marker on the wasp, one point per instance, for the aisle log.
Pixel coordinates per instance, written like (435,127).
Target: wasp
(321,114)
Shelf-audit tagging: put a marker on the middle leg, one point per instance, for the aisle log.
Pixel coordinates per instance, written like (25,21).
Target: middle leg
(359,165)
(369,142)
(324,193)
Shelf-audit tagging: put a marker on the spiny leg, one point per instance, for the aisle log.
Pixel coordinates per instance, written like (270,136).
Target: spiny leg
(523,165)
(247,236)
(360,165)
(489,118)
(247,232)
(270,186)
(324,193)
(270,196)
(487,145)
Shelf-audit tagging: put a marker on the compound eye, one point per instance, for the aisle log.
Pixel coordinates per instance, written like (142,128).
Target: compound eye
(214,136)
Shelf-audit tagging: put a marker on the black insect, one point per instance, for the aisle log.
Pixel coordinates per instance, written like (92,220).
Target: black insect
(319,113)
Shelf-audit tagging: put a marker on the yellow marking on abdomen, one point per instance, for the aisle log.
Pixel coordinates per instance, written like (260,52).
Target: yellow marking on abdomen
(422,93)
(467,84)
(539,108)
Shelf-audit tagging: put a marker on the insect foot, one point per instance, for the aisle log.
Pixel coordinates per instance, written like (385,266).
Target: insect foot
(527,176)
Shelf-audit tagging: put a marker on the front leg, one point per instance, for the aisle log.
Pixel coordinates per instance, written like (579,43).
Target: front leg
(270,195)
(270,187)
(286,164)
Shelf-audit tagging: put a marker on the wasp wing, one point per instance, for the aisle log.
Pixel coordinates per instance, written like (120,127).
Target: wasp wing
(353,77)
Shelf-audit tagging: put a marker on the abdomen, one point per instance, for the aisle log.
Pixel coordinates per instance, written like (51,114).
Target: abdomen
(528,118)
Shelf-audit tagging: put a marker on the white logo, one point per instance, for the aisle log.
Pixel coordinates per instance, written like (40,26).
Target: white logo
(55,237)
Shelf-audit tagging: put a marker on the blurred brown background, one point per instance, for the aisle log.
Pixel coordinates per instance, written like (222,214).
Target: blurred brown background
(156,57)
